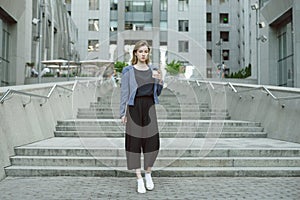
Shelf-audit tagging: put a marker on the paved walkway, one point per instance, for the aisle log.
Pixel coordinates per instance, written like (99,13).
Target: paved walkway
(75,188)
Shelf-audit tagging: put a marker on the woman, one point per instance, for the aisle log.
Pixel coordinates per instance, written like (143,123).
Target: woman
(140,87)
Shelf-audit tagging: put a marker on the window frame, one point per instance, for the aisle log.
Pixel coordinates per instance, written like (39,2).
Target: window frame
(223,16)
(93,25)
(183,5)
(183,25)
(183,46)
(94,44)
(94,4)
(225,39)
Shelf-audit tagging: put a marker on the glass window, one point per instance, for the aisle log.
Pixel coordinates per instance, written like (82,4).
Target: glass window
(5,45)
(163,5)
(93,45)
(224,35)
(208,36)
(128,25)
(93,24)
(208,17)
(138,6)
(93,4)
(224,18)
(163,25)
(147,26)
(113,25)
(183,46)
(208,2)
(138,27)
(285,56)
(183,5)
(225,54)
(113,4)
(183,25)
(148,6)
(209,52)
(4,52)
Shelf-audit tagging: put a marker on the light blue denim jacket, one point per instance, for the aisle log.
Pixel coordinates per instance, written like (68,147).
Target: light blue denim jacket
(129,87)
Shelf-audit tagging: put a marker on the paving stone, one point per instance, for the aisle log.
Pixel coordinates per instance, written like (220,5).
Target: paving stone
(77,188)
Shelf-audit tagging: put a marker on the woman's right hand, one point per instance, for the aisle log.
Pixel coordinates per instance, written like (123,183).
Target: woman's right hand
(124,119)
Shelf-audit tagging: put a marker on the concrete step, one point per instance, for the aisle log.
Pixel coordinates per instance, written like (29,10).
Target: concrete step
(158,108)
(164,106)
(184,100)
(164,134)
(162,115)
(161,128)
(175,153)
(164,172)
(169,123)
(195,140)
(93,161)
(171,100)
(159,112)
(168,116)
(170,147)
(162,103)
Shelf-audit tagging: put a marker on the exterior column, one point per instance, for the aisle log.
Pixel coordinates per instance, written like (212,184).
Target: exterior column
(121,29)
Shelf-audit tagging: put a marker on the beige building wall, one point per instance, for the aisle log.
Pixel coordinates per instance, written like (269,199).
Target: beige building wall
(21,36)
(15,18)
(280,63)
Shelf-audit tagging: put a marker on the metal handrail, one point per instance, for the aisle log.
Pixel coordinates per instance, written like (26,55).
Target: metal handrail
(271,94)
(232,87)
(264,88)
(11,91)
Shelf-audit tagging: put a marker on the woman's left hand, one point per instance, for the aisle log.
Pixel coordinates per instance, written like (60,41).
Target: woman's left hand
(158,75)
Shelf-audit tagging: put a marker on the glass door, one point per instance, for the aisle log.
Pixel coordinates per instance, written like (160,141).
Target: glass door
(4,51)
(286,55)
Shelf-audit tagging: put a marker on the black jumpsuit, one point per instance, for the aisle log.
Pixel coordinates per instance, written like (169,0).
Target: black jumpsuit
(141,128)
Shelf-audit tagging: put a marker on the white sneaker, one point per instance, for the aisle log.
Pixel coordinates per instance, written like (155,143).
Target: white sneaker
(140,186)
(149,182)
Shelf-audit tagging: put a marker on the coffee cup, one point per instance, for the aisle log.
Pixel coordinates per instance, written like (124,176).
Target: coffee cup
(155,73)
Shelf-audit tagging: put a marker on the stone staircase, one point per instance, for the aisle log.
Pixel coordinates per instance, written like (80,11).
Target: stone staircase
(195,141)
(170,107)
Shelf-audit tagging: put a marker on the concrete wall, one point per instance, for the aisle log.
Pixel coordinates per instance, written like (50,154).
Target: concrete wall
(279,118)
(34,80)
(22,125)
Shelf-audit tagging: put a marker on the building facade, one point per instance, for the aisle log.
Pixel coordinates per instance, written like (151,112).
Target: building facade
(173,28)
(231,35)
(15,42)
(199,33)
(32,31)
(280,64)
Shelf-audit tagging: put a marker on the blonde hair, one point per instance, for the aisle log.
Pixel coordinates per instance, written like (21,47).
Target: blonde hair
(136,47)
